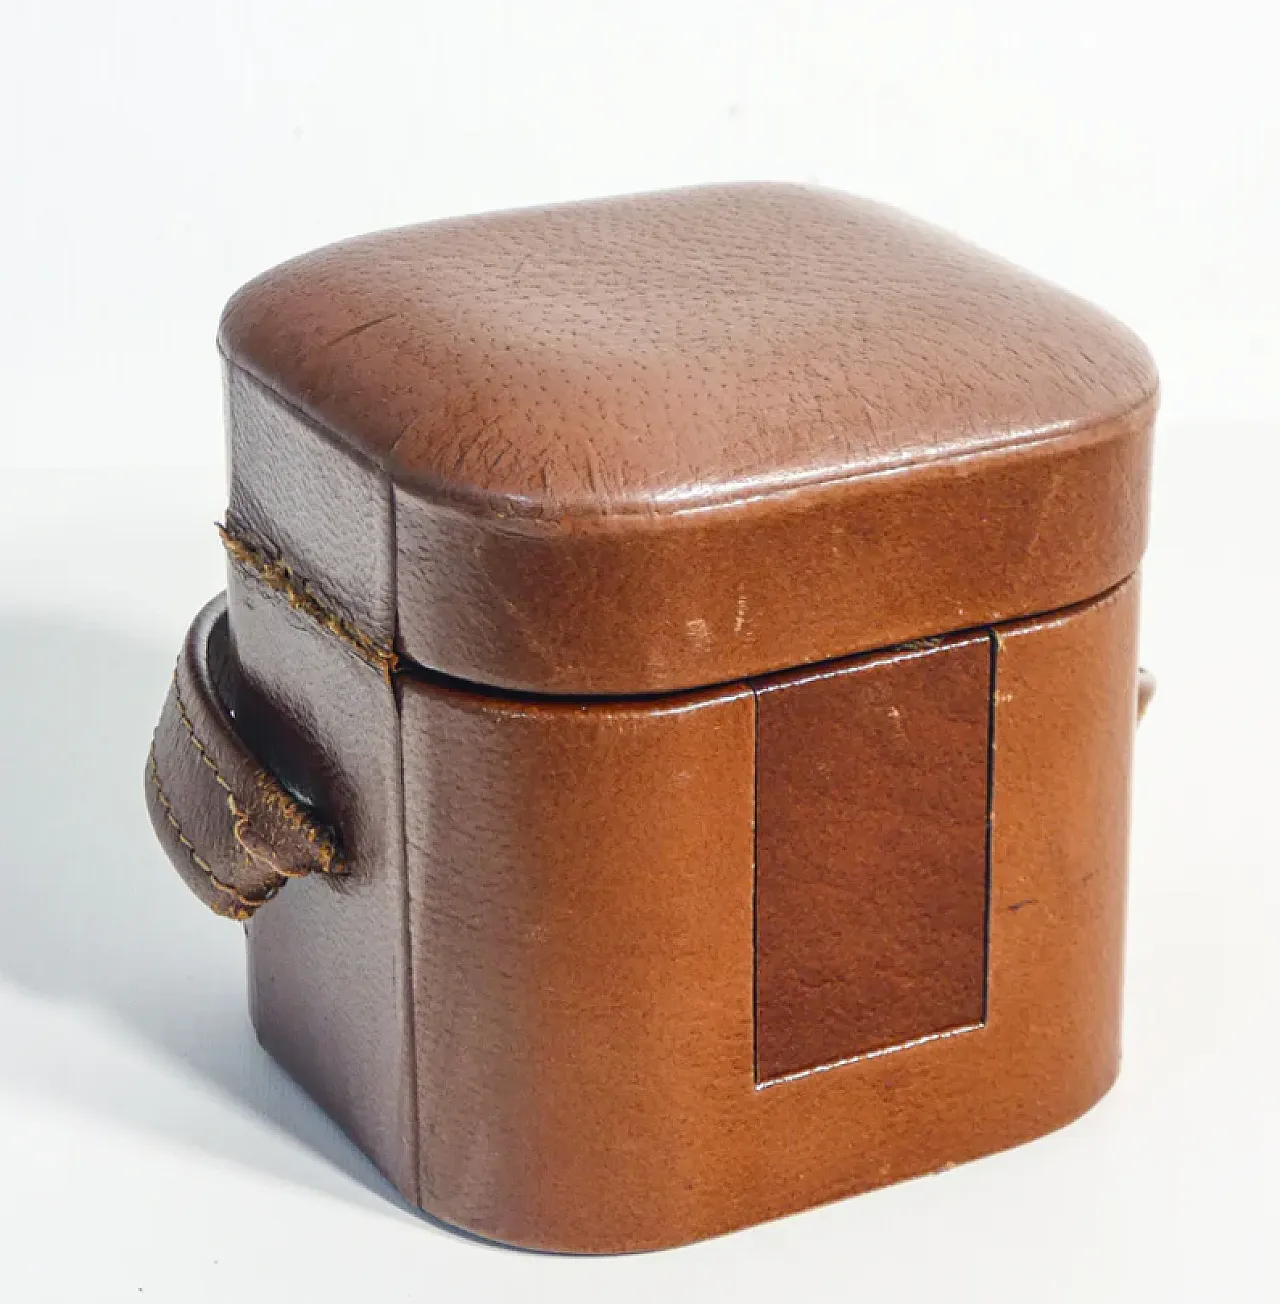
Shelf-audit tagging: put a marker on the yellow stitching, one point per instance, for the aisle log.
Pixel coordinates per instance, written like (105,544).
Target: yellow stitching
(199,746)
(200,863)
(240,822)
(319,839)
(247,905)
(250,903)
(247,836)
(239,816)
(300,595)
(276,798)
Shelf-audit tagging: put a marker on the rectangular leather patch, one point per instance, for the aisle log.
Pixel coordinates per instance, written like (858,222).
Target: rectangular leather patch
(871,853)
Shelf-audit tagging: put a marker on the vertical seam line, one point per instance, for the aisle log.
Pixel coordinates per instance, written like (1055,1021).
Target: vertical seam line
(755,885)
(993,639)
(406,918)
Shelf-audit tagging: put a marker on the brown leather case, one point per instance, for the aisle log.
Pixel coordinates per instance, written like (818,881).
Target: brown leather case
(685,648)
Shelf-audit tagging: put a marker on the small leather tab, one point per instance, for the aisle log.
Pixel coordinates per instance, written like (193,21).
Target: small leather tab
(1146,690)
(231,830)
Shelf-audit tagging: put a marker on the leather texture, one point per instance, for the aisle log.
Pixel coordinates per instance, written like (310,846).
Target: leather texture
(581,884)
(562,1051)
(234,833)
(579,560)
(328,962)
(597,427)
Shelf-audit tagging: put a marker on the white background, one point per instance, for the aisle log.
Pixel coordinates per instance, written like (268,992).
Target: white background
(153,155)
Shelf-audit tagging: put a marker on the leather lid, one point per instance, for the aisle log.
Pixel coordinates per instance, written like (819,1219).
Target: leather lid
(669,440)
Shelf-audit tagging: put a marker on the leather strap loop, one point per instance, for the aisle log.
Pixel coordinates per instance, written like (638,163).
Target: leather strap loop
(232,831)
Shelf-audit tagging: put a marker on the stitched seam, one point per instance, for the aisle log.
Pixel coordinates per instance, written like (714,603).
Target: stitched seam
(321,842)
(302,596)
(239,816)
(409,1078)
(247,903)
(482,507)
(276,798)
(199,746)
(242,828)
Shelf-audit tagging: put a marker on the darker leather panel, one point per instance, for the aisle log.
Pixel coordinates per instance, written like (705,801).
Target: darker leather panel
(234,834)
(871,854)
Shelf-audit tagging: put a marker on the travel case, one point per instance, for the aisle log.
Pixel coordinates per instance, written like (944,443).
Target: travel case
(684,647)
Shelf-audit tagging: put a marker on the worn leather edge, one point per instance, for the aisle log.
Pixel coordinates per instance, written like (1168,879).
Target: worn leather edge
(489,598)
(734,593)
(267,567)
(510,515)
(233,833)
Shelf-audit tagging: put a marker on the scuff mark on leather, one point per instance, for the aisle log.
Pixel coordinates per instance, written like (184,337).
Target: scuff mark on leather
(358,330)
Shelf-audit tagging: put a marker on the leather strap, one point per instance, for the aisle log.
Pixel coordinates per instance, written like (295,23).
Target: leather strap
(233,833)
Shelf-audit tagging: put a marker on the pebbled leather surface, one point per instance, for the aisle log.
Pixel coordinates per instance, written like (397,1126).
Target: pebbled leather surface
(580,905)
(719,596)
(535,1012)
(602,424)
(582,912)
(328,963)
(298,493)
(635,446)
(233,833)
(656,352)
